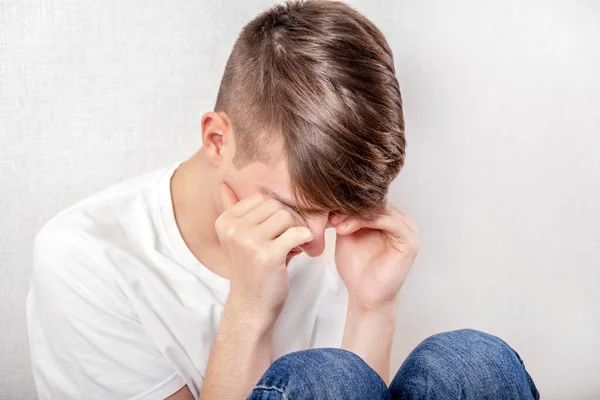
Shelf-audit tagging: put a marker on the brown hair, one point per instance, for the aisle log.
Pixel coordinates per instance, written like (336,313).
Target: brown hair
(318,77)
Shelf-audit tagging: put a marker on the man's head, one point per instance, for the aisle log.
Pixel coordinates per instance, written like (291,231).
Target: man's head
(310,109)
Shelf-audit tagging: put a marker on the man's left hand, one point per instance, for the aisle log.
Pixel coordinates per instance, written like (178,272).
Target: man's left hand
(373,256)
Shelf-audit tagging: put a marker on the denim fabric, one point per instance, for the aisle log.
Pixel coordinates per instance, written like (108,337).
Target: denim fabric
(320,374)
(464,364)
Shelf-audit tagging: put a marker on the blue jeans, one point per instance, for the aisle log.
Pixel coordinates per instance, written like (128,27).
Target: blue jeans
(464,364)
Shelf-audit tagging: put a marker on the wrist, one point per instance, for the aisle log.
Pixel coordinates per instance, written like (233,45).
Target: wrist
(371,309)
(249,314)
(362,323)
(369,333)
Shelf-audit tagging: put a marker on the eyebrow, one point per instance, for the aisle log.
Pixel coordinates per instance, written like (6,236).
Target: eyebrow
(289,203)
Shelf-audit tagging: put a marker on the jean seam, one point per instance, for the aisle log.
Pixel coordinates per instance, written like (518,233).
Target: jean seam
(262,387)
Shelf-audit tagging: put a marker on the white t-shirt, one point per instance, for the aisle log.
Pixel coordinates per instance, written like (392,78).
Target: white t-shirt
(119,307)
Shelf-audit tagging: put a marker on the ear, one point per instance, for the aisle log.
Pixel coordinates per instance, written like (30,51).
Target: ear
(216,136)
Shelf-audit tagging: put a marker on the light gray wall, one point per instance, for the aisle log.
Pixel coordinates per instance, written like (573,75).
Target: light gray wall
(502,102)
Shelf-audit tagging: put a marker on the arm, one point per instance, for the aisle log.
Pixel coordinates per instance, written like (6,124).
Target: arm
(257,235)
(369,334)
(373,257)
(240,355)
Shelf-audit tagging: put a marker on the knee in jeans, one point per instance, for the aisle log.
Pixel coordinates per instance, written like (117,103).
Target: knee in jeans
(465,347)
(463,363)
(329,372)
(321,360)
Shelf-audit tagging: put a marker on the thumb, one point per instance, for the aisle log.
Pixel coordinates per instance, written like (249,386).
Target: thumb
(228,196)
(349,226)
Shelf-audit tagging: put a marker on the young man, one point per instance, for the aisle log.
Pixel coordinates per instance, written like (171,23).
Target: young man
(180,284)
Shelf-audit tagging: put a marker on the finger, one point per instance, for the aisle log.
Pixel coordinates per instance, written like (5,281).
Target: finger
(236,207)
(291,238)
(348,226)
(264,211)
(337,219)
(393,210)
(278,223)
(395,225)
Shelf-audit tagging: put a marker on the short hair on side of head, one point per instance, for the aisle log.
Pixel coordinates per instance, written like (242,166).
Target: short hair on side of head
(318,78)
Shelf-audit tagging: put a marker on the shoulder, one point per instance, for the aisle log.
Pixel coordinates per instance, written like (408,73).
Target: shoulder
(84,332)
(104,216)
(70,276)
(76,246)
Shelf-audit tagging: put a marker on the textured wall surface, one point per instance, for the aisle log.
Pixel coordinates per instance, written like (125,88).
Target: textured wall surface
(502,102)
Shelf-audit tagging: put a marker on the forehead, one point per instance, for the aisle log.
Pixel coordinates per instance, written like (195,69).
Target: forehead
(269,177)
(291,203)
(273,179)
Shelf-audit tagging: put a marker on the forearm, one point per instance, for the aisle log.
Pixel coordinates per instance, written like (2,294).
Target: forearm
(240,355)
(369,334)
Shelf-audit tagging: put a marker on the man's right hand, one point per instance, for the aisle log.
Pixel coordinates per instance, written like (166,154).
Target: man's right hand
(257,233)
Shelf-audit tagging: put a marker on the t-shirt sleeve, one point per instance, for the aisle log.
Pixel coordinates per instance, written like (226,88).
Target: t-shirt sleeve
(85,340)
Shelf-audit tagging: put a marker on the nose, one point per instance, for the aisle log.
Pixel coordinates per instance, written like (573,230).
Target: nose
(315,247)
(317,225)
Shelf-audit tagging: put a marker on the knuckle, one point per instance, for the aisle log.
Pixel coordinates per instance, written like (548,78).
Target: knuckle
(264,196)
(260,195)
(230,231)
(221,224)
(297,231)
